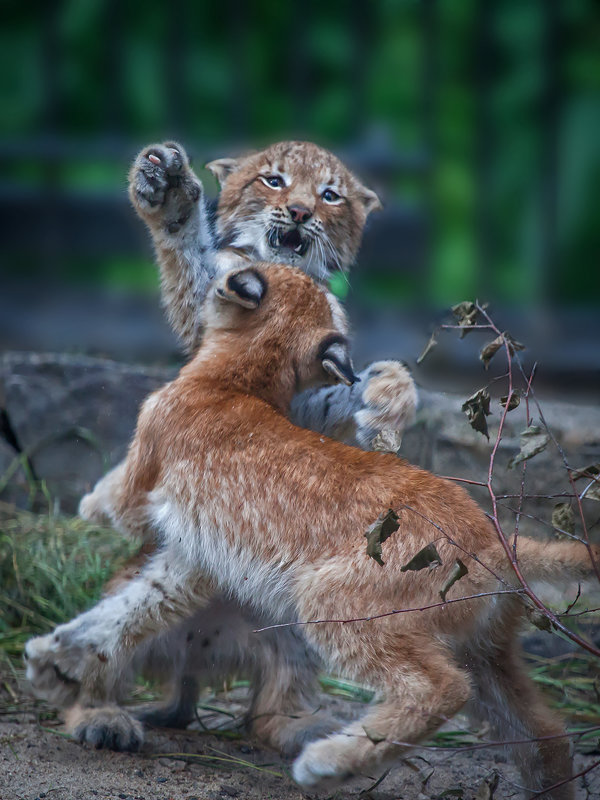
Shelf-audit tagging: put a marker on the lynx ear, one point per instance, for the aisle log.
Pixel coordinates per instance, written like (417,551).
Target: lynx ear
(222,168)
(370,200)
(335,359)
(245,287)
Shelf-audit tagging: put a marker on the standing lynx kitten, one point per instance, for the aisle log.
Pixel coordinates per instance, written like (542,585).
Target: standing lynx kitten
(247,503)
(297,204)
(292,203)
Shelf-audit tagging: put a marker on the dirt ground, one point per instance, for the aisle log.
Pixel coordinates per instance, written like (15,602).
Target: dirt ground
(37,760)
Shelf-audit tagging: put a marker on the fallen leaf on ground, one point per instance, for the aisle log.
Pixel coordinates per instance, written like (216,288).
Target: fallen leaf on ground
(488,787)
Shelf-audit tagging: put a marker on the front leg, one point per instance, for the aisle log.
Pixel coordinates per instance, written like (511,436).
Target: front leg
(169,197)
(85,658)
(384,400)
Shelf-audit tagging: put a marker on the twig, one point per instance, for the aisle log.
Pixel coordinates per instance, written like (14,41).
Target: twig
(565,781)
(387,613)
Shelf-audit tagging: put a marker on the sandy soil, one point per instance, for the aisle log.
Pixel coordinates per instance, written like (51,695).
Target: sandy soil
(38,761)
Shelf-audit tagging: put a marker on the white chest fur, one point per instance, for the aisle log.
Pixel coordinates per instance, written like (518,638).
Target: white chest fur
(198,543)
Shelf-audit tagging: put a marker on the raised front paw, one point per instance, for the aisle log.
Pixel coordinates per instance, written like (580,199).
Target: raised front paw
(161,182)
(58,663)
(390,402)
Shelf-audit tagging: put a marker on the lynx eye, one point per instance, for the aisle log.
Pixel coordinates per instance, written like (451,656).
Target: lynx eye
(330,196)
(274,181)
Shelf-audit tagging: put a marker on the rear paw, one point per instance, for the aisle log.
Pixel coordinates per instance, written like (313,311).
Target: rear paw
(290,733)
(166,716)
(323,764)
(390,401)
(108,727)
(161,173)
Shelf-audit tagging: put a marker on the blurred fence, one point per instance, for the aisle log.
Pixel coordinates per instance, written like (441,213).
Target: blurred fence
(475,121)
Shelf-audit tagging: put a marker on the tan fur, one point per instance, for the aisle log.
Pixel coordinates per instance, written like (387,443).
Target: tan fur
(245,497)
(168,196)
(169,199)
(309,169)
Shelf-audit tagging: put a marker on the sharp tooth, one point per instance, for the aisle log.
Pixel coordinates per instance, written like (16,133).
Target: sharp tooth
(299,248)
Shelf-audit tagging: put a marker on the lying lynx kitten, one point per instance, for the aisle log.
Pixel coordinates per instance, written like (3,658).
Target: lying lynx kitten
(247,503)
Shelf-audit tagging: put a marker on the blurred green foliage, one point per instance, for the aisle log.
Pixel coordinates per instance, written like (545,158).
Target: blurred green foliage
(259,71)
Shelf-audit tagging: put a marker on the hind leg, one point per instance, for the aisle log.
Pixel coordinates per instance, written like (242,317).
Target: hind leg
(508,698)
(423,689)
(284,711)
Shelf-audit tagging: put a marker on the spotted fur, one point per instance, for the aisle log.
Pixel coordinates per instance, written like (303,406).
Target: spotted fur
(274,515)
(313,220)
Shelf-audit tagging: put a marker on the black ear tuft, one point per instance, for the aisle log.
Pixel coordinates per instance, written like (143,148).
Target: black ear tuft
(335,358)
(245,287)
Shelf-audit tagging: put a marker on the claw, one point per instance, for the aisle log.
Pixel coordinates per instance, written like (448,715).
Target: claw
(154,159)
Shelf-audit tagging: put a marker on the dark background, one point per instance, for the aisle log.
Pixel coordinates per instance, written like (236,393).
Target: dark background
(477,121)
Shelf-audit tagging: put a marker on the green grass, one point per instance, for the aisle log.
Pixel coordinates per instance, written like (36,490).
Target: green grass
(51,568)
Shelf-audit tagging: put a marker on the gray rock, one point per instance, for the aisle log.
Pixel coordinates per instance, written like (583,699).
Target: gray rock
(73,416)
(443,442)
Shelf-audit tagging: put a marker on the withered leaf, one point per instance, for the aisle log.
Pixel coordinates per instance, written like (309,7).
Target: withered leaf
(374,736)
(533,441)
(541,621)
(513,402)
(466,315)
(491,348)
(457,572)
(387,441)
(488,786)
(427,557)
(477,408)
(428,347)
(383,527)
(563,519)
(592,473)
(513,345)
(593,493)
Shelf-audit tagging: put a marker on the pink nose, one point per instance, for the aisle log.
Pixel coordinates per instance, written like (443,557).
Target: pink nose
(299,213)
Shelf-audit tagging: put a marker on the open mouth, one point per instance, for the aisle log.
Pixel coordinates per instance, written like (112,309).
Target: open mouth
(290,240)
